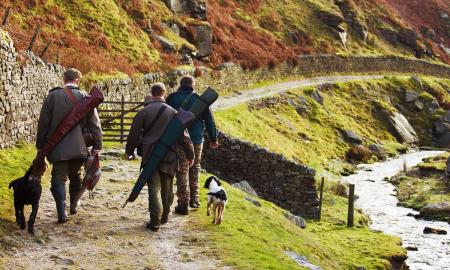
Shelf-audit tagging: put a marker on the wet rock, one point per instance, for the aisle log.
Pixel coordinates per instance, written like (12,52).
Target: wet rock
(300,222)
(246,187)
(436,210)
(255,202)
(351,137)
(429,230)
(412,248)
(444,140)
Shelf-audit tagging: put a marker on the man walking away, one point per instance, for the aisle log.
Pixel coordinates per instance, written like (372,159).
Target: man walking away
(187,178)
(146,129)
(69,154)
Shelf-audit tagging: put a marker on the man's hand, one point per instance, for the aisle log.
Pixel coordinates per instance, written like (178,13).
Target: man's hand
(95,152)
(214,145)
(129,157)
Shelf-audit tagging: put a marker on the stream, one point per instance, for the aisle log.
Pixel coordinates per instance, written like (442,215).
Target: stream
(376,197)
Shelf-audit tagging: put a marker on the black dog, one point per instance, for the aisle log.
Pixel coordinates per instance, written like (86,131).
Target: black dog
(27,190)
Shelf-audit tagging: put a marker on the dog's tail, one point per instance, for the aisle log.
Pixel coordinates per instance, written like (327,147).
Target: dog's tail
(12,184)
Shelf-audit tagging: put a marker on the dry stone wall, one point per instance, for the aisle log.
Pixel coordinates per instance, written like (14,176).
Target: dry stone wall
(283,182)
(23,88)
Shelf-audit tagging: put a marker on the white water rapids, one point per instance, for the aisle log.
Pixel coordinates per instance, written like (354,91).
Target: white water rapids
(377,199)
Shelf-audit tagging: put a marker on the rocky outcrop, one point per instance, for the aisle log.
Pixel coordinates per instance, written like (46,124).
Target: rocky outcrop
(330,19)
(202,39)
(246,187)
(401,128)
(351,18)
(408,37)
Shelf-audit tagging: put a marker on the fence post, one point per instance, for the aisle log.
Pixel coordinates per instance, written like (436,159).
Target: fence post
(321,197)
(45,49)
(122,111)
(5,16)
(351,205)
(33,39)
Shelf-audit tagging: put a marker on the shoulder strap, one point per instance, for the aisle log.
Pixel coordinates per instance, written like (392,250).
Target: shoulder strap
(155,119)
(186,101)
(70,95)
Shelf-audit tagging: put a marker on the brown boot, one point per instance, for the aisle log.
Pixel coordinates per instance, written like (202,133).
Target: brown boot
(182,209)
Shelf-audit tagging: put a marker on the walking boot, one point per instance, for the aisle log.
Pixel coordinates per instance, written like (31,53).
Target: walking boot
(194,204)
(165,218)
(154,224)
(182,209)
(59,194)
(74,189)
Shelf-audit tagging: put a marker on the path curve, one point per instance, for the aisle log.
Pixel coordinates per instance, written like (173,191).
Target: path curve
(277,88)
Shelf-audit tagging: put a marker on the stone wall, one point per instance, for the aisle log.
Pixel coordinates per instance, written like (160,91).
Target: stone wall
(285,183)
(23,87)
(230,77)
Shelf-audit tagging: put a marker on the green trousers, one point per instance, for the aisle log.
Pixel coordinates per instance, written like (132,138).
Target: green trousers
(160,196)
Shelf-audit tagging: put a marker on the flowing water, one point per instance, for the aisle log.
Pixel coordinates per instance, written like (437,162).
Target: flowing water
(377,199)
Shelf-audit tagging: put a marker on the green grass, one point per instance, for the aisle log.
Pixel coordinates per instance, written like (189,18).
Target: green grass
(256,238)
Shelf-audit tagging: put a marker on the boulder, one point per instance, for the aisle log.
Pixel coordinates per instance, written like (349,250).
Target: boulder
(203,39)
(390,35)
(246,187)
(427,32)
(253,201)
(300,222)
(428,230)
(440,127)
(444,140)
(411,96)
(317,96)
(401,128)
(378,151)
(351,137)
(436,210)
(408,37)
(417,81)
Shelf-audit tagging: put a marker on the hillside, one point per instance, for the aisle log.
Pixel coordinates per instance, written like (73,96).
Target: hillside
(111,36)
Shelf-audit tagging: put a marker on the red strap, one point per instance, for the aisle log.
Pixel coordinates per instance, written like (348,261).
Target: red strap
(71,96)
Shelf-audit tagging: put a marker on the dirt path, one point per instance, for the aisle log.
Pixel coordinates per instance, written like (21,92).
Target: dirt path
(103,235)
(245,96)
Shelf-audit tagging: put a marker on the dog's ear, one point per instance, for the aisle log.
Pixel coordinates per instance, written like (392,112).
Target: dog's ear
(208,181)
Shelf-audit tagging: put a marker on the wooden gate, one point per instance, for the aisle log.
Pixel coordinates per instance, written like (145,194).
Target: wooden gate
(116,118)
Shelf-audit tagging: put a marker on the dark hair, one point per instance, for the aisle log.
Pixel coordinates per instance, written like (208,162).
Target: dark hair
(71,74)
(187,81)
(158,89)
